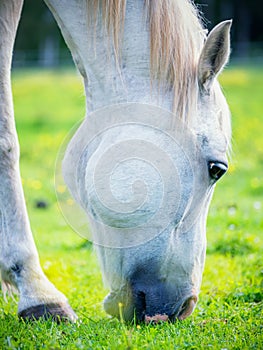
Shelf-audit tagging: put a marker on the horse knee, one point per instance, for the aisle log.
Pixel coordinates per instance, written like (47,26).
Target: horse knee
(38,297)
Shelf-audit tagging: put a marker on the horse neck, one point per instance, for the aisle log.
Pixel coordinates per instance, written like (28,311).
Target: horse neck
(106,82)
(128,79)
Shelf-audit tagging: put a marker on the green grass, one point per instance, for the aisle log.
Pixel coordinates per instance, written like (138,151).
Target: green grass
(229,312)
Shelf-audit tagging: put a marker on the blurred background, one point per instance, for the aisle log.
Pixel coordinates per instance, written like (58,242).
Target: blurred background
(48,102)
(39,42)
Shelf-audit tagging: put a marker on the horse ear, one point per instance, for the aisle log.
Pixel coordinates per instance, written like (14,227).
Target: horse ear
(215,54)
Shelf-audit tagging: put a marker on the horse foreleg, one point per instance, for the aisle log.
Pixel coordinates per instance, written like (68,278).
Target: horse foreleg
(19,262)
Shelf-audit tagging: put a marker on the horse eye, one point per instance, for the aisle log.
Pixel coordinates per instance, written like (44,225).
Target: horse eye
(216,170)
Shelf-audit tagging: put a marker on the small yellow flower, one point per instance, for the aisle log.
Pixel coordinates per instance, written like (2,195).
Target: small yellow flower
(36,184)
(231,168)
(70,201)
(61,188)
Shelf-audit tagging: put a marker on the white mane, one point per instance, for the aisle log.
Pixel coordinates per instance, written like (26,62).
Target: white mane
(176,37)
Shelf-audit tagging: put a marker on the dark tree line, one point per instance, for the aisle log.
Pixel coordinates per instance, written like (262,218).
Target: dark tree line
(247,30)
(39,40)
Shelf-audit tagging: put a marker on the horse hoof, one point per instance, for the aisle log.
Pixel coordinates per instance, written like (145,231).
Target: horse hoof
(57,312)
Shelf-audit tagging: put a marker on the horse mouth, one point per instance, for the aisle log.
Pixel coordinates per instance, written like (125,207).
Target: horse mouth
(144,314)
(158,318)
(185,310)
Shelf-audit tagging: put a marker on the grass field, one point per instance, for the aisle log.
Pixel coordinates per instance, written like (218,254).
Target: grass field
(229,312)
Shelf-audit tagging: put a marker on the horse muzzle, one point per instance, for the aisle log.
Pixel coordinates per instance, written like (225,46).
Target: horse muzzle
(160,310)
(151,305)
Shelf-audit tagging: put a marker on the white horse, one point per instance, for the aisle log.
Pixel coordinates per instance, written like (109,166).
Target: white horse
(151,73)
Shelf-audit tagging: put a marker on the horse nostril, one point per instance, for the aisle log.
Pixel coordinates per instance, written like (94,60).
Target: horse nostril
(187,308)
(140,306)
